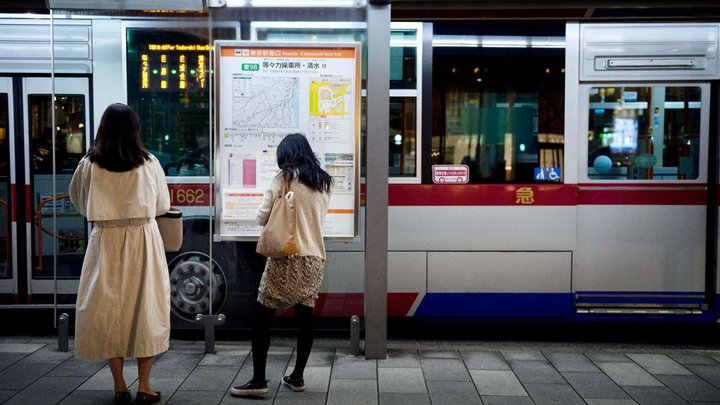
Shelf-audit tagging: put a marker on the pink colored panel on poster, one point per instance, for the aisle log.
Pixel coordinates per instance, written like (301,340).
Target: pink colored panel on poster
(249,172)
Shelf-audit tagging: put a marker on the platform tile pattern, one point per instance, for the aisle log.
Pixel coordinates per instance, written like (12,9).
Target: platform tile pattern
(32,371)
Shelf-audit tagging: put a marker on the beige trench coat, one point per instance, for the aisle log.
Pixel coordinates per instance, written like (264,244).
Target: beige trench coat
(123,303)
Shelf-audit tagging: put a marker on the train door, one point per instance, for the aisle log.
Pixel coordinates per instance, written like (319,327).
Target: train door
(44,257)
(42,238)
(58,232)
(8,224)
(643,168)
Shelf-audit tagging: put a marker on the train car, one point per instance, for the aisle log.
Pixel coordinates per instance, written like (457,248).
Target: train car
(557,169)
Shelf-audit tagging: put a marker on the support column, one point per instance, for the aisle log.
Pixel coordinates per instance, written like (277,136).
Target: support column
(376,179)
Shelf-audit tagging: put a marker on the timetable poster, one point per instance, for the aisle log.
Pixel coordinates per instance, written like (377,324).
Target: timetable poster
(268,90)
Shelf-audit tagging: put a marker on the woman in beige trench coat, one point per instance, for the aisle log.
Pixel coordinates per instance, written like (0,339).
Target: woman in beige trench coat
(123,303)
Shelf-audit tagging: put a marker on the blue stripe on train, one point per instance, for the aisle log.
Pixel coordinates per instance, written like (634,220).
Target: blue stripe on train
(496,305)
(532,305)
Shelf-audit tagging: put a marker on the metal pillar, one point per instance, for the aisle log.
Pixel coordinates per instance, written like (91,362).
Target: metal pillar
(376,179)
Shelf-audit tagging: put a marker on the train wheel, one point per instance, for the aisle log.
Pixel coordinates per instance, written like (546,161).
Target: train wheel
(192,279)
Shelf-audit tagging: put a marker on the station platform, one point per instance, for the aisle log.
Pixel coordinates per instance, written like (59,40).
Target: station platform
(33,371)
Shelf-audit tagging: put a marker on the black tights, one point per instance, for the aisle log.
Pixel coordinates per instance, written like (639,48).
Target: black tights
(261,339)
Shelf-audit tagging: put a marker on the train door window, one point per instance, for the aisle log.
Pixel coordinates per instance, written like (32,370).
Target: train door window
(168,79)
(498,105)
(5,231)
(69,133)
(644,132)
(405,78)
(68,238)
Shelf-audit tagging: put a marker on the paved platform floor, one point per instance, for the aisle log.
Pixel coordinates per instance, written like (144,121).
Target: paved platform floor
(32,371)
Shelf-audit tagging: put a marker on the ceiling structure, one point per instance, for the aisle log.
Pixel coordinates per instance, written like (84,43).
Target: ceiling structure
(425,10)
(470,10)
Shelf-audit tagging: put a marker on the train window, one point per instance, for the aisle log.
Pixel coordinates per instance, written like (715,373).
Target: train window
(402,135)
(66,236)
(498,109)
(4,188)
(644,132)
(403,128)
(69,133)
(168,85)
(403,59)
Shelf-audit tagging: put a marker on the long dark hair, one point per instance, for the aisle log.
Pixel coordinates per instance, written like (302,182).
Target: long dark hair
(117,146)
(296,157)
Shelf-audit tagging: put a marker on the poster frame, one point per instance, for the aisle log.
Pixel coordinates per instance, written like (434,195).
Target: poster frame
(220,82)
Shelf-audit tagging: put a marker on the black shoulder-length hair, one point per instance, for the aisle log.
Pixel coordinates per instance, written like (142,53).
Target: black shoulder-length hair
(117,146)
(296,157)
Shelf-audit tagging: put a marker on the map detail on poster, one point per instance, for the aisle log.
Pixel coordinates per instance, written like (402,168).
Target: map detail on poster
(266,91)
(265,102)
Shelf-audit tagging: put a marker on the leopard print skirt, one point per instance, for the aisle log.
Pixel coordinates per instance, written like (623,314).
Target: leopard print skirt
(291,280)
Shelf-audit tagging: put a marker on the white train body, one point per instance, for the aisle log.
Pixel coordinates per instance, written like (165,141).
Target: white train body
(584,248)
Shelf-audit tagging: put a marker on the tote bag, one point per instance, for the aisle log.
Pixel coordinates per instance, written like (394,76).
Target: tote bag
(277,238)
(171,230)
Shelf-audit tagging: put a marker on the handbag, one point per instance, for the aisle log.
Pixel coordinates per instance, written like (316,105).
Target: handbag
(277,238)
(171,229)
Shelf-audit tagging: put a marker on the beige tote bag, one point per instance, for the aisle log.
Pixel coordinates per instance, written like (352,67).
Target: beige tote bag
(277,238)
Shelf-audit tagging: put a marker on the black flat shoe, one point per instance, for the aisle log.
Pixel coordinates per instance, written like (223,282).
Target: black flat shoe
(295,384)
(122,398)
(145,398)
(250,389)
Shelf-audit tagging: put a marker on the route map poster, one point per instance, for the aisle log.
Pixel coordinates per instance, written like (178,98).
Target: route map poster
(266,90)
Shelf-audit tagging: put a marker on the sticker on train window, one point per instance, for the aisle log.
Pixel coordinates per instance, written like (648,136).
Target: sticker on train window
(547,174)
(450,174)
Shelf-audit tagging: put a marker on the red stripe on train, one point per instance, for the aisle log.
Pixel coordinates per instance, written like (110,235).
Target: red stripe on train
(340,305)
(481,194)
(505,194)
(546,194)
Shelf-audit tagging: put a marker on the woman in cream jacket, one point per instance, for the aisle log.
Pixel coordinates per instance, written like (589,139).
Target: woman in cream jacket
(123,303)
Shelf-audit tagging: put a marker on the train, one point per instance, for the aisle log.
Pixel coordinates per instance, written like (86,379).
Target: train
(561,169)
